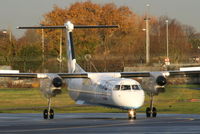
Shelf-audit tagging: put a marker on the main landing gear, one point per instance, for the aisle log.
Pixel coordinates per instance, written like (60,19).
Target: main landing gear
(48,113)
(151,111)
(132,114)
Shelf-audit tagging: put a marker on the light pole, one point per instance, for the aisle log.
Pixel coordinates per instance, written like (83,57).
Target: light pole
(60,54)
(147,35)
(42,39)
(167,62)
(167,38)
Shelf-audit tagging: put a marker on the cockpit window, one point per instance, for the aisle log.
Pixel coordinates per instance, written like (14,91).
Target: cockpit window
(117,87)
(135,87)
(125,87)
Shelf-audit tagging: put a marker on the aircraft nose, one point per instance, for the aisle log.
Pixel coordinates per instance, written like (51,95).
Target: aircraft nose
(129,99)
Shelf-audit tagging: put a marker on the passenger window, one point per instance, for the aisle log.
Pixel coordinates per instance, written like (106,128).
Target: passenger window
(135,87)
(117,87)
(125,87)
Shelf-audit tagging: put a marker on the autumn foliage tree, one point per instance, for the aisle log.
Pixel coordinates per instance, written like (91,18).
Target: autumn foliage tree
(88,13)
(179,47)
(126,43)
(128,40)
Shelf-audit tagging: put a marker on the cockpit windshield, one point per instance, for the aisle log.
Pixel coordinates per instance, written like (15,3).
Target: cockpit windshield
(136,87)
(127,87)
(117,87)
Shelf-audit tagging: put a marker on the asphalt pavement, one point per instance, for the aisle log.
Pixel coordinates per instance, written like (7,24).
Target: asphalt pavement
(107,123)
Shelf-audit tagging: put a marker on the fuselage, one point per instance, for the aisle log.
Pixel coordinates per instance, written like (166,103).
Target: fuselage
(107,89)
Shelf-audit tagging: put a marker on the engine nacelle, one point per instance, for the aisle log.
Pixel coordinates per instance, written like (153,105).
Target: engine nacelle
(57,82)
(51,85)
(161,80)
(154,84)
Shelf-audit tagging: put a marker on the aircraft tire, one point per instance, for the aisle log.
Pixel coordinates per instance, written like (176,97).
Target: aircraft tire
(45,114)
(51,116)
(154,114)
(148,112)
(132,117)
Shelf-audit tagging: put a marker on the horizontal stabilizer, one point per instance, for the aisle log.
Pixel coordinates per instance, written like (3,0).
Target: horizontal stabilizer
(42,27)
(63,27)
(97,26)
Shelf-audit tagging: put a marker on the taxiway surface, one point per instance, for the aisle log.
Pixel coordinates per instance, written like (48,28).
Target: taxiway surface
(99,123)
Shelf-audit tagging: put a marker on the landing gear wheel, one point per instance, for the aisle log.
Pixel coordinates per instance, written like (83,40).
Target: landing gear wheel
(148,112)
(132,117)
(154,114)
(132,114)
(51,115)
(45,114)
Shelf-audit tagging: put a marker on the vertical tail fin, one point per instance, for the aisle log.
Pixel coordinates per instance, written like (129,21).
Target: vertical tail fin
(72,65)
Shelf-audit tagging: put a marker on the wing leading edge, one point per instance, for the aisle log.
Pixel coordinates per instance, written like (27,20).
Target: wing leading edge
(43,75)
(85,75)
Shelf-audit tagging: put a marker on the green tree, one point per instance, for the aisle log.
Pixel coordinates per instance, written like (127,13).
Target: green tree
(7,47)
(29,59)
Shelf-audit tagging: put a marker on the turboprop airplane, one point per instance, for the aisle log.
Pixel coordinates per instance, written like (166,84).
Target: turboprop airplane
(114,89)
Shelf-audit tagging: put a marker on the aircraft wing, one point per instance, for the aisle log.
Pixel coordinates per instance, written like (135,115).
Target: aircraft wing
(135,74)
(184,73)
(44,75)
(20,75)
(164,73)
(85,75)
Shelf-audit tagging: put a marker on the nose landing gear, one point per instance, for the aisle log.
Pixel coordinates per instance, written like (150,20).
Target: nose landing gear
(151,111)
(132,114)
(48,113)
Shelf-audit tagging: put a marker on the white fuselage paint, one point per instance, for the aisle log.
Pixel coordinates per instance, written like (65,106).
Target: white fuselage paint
(98,89)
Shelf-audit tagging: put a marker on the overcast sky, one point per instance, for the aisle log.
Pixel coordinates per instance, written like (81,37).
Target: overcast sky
(15,13)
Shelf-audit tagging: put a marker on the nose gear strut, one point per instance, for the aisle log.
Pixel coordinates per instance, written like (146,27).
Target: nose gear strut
(151,111)
(48,113)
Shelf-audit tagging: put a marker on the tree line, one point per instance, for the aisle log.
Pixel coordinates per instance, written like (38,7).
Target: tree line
(127,43)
